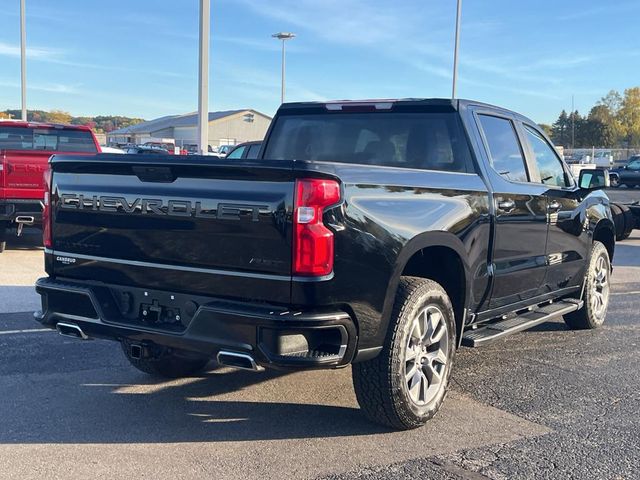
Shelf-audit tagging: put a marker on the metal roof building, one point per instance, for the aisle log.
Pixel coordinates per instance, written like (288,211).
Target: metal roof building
(227,127)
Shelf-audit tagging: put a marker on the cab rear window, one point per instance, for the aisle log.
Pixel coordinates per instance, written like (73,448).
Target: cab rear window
(430,141)
(46,139)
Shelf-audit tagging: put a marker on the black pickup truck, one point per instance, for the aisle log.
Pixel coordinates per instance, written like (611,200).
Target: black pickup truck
(383,234)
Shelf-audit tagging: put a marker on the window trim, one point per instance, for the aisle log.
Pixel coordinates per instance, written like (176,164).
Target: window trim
(485,143)
(532,160)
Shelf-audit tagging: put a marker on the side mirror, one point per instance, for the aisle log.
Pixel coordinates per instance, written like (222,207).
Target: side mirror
(594,179)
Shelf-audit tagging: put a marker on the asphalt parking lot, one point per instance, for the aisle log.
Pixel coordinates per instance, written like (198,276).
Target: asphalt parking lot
(547,403)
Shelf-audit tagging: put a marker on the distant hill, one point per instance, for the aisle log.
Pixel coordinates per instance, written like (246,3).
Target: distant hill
(99,124)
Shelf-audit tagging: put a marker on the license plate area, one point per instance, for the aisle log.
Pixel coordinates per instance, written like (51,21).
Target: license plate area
(153,309)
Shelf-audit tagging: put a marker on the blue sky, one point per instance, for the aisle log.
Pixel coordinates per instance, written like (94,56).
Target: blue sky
(139,57)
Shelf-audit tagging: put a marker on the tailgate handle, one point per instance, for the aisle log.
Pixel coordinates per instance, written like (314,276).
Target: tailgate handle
(154,174)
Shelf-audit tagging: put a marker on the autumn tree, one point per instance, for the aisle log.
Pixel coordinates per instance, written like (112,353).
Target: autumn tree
(629,116)
(58,116)
(597,128)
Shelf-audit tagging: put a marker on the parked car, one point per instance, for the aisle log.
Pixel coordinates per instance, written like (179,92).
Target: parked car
(383,234)
(104,149)
(247,150)
(627,175)
(223,150)
(25,148)
(140,150)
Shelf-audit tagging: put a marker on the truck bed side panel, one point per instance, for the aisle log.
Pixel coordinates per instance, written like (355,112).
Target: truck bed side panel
(386,212)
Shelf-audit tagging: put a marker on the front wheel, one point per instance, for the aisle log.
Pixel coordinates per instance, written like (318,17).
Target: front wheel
(596,292)
(405,385)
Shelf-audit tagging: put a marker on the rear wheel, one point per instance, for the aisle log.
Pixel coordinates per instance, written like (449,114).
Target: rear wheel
(405,385)
(596,292)
(169,365)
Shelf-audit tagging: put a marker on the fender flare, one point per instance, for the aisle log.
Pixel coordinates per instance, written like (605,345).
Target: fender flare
(416,244)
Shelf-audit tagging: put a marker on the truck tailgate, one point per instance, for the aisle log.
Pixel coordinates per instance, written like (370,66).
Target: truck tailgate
(202,225)
(22,173)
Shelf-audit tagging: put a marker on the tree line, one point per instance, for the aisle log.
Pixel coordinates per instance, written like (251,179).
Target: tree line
(613,122)
(99,124)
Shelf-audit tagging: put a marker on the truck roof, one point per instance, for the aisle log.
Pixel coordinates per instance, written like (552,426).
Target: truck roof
(388,103)
(23,124)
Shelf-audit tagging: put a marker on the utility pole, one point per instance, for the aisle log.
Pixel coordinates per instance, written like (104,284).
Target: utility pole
(284,36)
(23,60)
(573,123)
(203,77)
(455,49)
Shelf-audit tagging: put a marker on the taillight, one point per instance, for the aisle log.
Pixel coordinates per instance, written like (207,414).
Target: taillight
(312,240)
(46,211)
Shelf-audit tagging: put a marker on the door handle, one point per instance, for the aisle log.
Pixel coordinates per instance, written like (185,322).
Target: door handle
(506,205)
(555,206)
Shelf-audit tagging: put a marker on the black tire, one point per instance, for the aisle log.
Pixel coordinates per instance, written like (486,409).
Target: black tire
(618,220)
(169,365)
(596,299)
(629,221)
(382,384)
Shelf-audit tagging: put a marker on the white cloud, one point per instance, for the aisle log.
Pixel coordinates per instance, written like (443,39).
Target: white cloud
(47,87)
(11,50)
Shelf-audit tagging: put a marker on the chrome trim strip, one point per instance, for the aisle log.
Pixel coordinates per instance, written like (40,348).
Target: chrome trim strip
(137,263)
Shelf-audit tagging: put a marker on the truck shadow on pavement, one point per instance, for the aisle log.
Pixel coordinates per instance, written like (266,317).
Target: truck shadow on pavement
(120,405)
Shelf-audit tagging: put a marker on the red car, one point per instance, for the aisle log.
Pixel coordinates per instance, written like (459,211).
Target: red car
(25,148)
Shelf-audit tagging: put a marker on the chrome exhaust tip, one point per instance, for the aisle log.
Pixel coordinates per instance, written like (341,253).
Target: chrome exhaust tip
(243,361)
(71,330)
(25,219)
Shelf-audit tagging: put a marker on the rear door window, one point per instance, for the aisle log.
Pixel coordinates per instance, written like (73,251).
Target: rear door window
(430,141)
(505,152)
(237,153)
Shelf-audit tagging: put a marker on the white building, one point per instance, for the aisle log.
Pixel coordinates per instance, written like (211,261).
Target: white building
(225,128)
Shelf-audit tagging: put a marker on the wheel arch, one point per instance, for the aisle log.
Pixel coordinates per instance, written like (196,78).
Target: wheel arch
(425,256)
(604,232)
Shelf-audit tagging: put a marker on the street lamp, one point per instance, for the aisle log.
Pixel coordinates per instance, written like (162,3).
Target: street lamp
(284,36)
(23,61)
(203,77)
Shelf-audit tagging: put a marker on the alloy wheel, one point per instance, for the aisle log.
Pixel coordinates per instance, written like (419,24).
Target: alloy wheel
(426,355)
(600,288)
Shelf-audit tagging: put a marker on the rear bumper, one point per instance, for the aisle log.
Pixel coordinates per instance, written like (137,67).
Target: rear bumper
(12,208)
(273,336)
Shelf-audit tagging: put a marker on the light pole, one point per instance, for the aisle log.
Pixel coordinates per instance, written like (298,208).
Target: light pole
(284,36)
(203,78)
(23,60)
(455,49)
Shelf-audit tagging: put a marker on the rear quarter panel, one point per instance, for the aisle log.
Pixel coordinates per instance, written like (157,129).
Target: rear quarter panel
(387,215)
